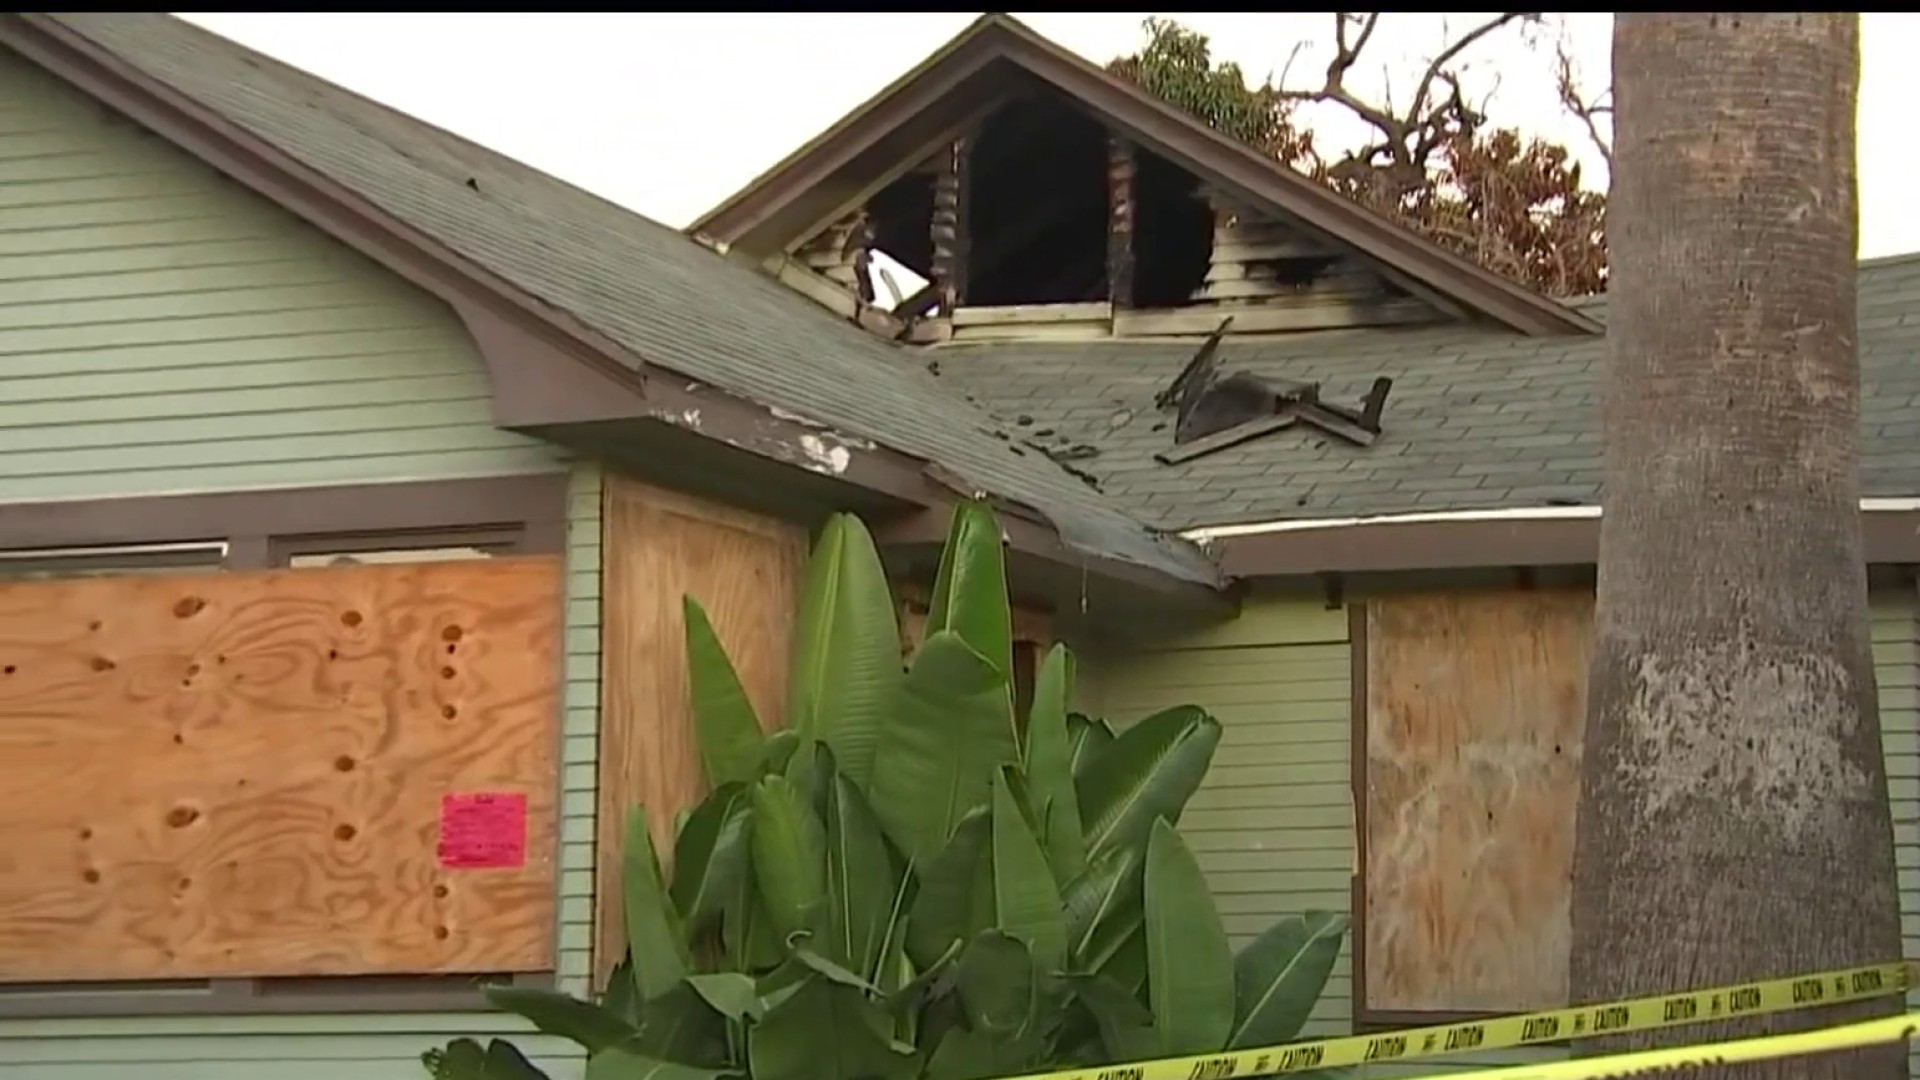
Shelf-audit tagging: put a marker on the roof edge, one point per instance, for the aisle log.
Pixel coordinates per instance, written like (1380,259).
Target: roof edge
(351,219)
(1543,536)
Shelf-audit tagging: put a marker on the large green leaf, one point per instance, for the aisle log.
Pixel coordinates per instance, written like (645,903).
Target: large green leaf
(862,881)
(824,1030)
(1026,898)
(1189,964)
(621,1063)
(1148,774)
(1086,738)
(712,856)
(658,949)
(620,998)
(811,771)
(1125,1025)
(1278,977)
(955,898)
(1050,765)
(732,994)
(970,589)
(463,1059)
(973,1055)
(723,720)
(776,751)
(1009,1007)
(942,747)
(1001,986)
(1103,907)
(594,1027)
(789,857)
(680,1025)
(747,930)
(846,662)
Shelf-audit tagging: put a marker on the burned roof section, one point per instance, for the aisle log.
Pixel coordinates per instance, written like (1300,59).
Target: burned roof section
(1476,419)
(1217,410)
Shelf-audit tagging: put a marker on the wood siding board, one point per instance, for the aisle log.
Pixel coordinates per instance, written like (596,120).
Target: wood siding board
(745,570)
(141,344)
(394,350)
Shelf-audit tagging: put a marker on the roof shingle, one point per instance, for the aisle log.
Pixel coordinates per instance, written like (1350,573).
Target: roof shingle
(1477,419)
(673,303)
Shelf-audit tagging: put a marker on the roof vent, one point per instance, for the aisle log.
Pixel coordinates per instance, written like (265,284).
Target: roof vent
(1216,411)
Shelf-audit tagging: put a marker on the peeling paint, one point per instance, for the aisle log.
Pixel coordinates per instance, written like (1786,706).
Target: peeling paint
(830,459)
(791,417)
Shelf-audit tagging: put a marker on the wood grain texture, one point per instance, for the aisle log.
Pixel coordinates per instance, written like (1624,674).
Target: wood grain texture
(230,775)
(1475,707)
(658,547)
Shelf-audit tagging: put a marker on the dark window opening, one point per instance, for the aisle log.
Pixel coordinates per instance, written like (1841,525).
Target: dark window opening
(901,217)
(1172,234)
(1037,212)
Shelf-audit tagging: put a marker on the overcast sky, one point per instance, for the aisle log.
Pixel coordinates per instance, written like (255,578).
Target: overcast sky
(668,114)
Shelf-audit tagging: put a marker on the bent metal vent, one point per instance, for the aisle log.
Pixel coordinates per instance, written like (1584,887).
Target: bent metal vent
(1216,411)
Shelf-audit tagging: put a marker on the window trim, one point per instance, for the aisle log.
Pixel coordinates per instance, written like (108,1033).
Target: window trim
(264,529)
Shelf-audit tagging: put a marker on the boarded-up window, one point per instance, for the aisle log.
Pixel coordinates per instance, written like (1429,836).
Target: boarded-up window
(347,771)
(1474,706)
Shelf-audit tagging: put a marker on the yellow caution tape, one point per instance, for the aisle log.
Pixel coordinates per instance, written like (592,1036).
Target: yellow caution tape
(1526,1029)
(1760,1048)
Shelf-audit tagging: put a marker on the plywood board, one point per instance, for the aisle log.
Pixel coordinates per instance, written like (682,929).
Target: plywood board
(234,775)
(659,546)
(1475,704)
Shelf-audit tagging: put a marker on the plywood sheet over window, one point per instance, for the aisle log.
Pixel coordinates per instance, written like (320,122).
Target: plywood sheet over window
(1474,706)
(248,775)
(660,546)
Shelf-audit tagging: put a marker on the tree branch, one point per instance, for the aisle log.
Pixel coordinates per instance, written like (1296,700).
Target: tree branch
(1587,112)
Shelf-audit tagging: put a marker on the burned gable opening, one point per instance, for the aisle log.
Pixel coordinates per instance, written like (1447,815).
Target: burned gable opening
(1037,207)
(902,217)
(1172,233)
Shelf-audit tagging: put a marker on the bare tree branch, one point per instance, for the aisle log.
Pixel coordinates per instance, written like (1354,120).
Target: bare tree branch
(1409,137)
(1586,111)
(1452,52)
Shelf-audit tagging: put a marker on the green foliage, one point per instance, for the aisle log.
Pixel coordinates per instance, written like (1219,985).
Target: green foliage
(913,883)
(1176,65)
(1511,204)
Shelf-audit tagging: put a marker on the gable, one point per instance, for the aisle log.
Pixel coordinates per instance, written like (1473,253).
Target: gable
(998,70)
(163,329)
(1042,222)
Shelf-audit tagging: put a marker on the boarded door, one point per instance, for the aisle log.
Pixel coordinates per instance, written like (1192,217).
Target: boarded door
(1475,704)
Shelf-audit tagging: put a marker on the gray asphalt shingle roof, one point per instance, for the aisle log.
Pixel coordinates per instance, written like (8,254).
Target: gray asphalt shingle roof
(1476,419)
(671,302)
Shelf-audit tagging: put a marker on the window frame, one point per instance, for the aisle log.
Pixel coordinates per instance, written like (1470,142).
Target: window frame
(262,530)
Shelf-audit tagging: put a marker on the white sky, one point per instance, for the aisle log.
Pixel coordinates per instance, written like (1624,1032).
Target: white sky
(668,114)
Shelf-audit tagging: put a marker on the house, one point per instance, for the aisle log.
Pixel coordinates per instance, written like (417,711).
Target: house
(254,327)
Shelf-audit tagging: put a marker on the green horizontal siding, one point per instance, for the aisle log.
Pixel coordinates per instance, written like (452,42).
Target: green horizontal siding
(163,330)
(1273,825)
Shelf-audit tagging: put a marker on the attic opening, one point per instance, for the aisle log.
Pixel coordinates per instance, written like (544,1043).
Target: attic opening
(900,219)
(1172,233)
(1036,208)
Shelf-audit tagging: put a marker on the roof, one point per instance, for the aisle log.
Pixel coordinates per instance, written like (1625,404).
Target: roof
(665,299)
(1475,420)
(998,58)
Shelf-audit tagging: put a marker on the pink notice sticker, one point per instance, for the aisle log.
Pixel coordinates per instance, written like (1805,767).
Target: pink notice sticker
(483,831)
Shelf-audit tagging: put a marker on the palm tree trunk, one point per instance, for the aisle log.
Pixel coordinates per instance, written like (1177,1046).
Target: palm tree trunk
(1733,819)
